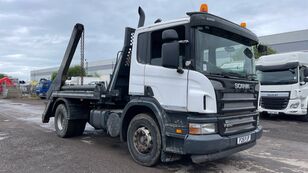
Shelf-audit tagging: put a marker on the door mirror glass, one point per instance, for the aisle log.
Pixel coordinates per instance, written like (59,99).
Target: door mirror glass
(170,49)
(248,53)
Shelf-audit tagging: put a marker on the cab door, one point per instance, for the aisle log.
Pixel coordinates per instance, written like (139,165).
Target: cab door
(168,86)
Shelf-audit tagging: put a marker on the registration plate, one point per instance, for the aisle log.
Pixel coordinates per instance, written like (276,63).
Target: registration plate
(272,112)
(243,139)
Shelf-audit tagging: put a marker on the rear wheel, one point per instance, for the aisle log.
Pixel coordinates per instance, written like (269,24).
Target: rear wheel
(144,140)
(65,127)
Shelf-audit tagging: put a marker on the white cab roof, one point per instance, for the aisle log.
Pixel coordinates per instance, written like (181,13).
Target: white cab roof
(163,24)
(283,58)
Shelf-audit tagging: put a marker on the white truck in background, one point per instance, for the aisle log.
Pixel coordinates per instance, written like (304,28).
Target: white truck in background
(284,87)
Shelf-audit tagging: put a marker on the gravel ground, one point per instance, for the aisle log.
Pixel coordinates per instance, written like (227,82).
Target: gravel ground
(27,145)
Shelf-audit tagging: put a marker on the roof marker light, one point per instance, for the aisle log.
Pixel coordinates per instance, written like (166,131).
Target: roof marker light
(243,24)
(204,8)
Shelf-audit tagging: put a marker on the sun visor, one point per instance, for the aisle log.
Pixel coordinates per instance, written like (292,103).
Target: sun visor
(278,67)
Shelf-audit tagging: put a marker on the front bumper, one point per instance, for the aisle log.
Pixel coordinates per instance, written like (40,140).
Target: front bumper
(212,147)
(289,111)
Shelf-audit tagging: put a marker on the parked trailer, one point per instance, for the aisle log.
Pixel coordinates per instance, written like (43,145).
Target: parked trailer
(169,94)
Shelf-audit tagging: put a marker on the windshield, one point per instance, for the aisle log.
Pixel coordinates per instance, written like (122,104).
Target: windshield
(222,53)
(287,76)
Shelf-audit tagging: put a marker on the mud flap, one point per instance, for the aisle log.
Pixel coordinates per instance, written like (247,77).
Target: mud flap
(47,112)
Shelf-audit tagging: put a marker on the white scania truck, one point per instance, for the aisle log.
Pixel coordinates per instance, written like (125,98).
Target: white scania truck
(284,84)
(181,87)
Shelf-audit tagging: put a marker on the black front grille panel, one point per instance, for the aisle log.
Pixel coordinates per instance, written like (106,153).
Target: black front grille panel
(275,103)
(238,112)
(236,105)
(237,124)
(238,102)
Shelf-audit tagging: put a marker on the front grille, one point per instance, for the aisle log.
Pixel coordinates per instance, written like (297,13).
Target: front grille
(237,107)
(237,102)
(276,103)
(238,112)
(237,124)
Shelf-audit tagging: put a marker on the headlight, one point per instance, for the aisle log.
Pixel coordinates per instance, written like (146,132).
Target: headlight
(294,105)
(202,129)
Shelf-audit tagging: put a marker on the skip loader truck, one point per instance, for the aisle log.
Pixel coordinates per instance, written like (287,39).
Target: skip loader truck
(182,87)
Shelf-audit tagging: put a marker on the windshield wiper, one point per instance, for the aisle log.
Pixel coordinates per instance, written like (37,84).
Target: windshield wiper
(226,74)
(251,76)
(217,74)
(232,74)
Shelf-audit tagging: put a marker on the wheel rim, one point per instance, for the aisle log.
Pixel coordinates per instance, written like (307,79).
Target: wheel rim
(143,140)
(60,120)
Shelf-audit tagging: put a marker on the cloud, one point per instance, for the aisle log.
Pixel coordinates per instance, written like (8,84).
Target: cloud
(35,33)
(18,56)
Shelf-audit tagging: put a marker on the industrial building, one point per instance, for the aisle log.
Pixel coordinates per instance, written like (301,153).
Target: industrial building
(102,68)
(287,42)
(283,42)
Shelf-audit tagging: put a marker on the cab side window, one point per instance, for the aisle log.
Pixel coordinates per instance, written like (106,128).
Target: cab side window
(142,47)
(156,44)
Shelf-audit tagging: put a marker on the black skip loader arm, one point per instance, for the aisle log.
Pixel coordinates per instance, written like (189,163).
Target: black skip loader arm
(59,81)
(118,86)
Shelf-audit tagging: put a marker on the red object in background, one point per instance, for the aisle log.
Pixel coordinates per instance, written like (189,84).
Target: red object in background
(5,81)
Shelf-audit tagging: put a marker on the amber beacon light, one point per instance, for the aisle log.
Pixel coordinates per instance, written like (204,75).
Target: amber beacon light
(204,8)
(244,24)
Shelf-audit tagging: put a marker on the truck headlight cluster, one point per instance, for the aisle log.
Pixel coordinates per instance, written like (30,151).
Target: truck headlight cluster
(294,105)
(202,129)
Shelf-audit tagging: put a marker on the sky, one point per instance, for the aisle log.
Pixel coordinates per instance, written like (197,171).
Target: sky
(34,33)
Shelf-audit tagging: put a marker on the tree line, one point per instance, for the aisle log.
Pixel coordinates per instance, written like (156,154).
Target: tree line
(73,72)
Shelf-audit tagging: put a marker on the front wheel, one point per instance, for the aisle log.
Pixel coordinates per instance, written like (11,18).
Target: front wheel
(305,117)
(144,140)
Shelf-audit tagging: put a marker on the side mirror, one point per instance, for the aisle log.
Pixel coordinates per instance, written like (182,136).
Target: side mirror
(170,49)
(262,48)
(305,79)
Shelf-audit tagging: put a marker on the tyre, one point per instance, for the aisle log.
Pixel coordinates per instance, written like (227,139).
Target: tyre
(67,128)
(268,116)
(144,140)
(305,117)
(265,115)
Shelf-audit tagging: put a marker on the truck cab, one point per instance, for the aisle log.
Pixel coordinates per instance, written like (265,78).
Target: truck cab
(42,88)
(284,88)
(181,87)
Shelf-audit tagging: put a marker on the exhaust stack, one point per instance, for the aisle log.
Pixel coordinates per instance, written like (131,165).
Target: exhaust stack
(141,17)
